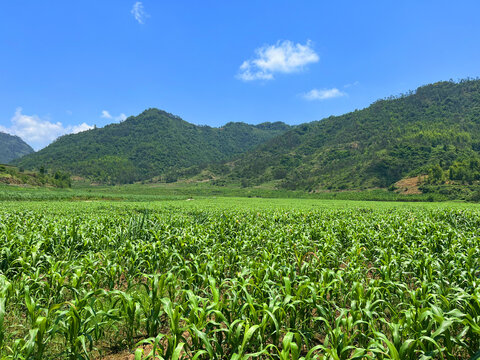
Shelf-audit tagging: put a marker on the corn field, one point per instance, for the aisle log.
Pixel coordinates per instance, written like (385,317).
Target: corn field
(173,283)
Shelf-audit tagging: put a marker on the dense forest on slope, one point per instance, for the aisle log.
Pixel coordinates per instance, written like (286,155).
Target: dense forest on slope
(435,130)
(146,146)
(12,147)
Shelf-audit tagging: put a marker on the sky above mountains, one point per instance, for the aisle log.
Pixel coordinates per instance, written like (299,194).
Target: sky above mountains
(67,66)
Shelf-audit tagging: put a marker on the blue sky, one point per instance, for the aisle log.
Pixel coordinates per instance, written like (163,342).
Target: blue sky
(66,66)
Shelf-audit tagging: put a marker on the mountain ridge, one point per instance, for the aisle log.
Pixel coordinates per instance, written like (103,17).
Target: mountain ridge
(12,147)
(147,145)
(438,124)
(434,131)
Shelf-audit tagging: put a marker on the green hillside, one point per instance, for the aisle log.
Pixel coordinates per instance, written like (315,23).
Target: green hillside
(11,175)
(146,146)
(434,130)
(12,147)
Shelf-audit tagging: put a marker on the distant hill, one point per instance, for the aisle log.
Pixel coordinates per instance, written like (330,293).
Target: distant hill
(434,130)
(146,146)
(12,147)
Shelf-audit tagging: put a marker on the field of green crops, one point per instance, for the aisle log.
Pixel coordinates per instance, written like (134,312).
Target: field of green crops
(239,279)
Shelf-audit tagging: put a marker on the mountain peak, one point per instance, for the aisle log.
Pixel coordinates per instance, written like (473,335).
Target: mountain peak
(145,146)
(12,147)
(438,124)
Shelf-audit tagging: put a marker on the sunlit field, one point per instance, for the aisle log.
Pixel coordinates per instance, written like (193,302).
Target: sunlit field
(239,278)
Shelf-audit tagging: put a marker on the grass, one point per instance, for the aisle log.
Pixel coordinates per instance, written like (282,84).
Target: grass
(156,192)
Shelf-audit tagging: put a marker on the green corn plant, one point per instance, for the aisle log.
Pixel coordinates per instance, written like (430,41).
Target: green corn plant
(152,307)
(290,348)
(33,308)
(129,309)
(405,351)
(36,342)
(247,337)
(79,323)
(5,291)
(340,338)
(157,350)
(176,330)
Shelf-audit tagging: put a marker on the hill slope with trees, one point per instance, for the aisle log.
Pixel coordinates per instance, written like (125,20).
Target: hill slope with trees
(434,130)
(12,147)
(148,145)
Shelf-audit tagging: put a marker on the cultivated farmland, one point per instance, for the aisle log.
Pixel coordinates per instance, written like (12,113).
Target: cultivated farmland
(89,280)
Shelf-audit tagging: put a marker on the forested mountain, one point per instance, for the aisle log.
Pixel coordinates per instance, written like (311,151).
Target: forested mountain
(12,147)
(435,130)
(146,146)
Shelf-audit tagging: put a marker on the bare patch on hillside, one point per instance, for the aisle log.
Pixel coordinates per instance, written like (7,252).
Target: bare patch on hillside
(409,186)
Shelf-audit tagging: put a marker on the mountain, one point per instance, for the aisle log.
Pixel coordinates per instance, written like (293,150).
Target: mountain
(12,147)
(148,145)
(433,130)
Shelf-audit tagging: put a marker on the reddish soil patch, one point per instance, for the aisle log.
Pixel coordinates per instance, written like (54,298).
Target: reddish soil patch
(409,186)
(124,355)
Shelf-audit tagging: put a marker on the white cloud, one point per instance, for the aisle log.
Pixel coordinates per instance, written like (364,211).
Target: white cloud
(138,12)
(107,115)
(283,57)
(79,128)
(324,94)
(37,132)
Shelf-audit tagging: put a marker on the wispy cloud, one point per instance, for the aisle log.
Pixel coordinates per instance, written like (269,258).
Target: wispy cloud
(283,57)
(355,83)
(139,13)
(106,115)
(323,94)
(39,132)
